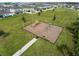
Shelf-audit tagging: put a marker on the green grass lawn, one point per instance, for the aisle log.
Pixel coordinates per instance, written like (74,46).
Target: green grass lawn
(18,36)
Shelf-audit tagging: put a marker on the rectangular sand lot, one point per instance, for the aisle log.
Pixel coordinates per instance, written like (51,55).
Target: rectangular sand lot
(46,31)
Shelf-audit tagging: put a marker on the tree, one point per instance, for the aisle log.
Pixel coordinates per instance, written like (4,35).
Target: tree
(41,10)
(75,32)
(62,49)
(23,18)
(53,10)
(39,13)
(54,18)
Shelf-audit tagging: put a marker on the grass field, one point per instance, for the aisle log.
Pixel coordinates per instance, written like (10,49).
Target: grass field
(18,37)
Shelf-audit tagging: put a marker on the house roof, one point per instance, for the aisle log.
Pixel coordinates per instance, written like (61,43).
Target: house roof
(5,12)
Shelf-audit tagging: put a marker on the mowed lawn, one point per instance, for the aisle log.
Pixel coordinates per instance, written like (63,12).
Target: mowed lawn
(18,36)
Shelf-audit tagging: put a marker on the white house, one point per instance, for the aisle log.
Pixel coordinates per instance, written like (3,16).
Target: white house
(4,14)
(6,11)
(29,10)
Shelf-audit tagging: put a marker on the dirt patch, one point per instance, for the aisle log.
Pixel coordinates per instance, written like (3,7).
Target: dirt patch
(46,31)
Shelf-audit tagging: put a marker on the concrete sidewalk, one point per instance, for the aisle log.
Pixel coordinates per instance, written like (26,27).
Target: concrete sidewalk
(25,47)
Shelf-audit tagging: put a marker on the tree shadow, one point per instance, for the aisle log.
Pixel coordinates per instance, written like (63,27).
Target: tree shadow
(4,34)
(7,34)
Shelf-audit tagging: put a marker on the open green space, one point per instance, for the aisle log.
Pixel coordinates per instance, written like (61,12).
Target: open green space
(18,37)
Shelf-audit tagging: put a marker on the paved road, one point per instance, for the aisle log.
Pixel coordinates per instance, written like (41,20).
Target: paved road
(25,47)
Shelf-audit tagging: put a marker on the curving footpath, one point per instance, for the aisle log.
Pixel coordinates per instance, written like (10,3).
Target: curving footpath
(25,47)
